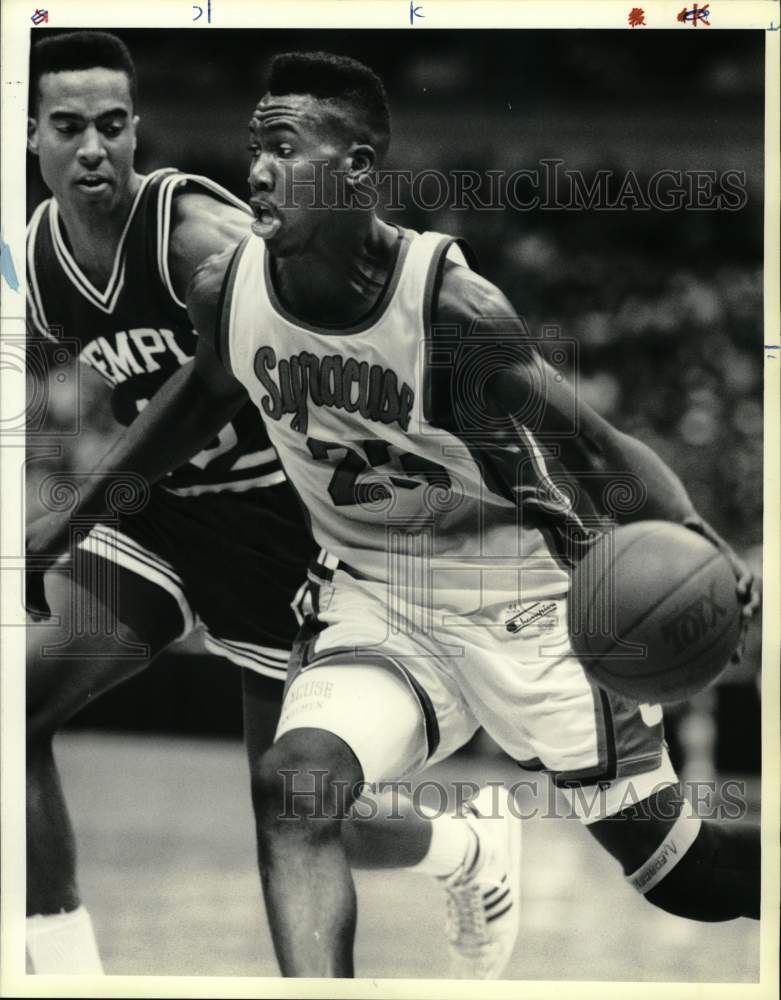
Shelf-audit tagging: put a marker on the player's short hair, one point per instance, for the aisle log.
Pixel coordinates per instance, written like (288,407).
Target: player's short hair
(80,50)
(340,79)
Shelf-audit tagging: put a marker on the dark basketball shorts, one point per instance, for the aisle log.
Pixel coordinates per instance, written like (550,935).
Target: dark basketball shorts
(232,564)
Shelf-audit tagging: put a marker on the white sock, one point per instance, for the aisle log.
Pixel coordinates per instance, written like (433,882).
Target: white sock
(63,944)
(454,845)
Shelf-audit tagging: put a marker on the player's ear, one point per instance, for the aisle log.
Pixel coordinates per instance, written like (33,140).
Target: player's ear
(362,162)
(134,122)
(32,135)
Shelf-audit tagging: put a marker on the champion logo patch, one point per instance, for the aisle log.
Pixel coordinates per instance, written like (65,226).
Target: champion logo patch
(541,613)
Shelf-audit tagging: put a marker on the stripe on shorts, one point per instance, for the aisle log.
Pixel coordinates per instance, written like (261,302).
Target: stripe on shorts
(264,660)
(107,543)
(297,604)
(322,569)
(234,486)
(254,458)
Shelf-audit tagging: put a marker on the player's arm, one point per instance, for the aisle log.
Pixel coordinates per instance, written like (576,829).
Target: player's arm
(201,226)
(529,385)
(717,871)
(181,418)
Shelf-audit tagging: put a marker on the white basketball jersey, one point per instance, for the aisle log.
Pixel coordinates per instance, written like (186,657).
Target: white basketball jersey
(387,492)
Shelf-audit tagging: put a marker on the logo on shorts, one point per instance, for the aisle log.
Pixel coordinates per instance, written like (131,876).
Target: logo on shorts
(540,613)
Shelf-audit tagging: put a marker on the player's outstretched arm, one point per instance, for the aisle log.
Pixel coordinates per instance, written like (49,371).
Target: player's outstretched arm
(528,384)
(181,418)
(518,382)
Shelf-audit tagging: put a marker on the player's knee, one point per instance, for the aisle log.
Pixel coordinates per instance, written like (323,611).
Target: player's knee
(58,686)
(66,668)
(308,774)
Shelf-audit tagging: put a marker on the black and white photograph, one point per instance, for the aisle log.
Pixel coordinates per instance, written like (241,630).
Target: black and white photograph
(390,502)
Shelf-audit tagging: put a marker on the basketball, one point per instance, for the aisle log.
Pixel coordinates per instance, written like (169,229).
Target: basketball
(653,612)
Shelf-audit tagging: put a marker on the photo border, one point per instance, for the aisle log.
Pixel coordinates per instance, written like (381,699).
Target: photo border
(474,14)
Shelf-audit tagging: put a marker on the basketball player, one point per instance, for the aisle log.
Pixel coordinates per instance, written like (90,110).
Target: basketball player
(339,306)
(218,544)
(424,475)
(427,481)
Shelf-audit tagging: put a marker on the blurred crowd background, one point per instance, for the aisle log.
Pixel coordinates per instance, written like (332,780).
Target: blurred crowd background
(665,306)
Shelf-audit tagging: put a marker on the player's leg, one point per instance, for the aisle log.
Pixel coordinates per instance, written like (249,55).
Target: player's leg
(610,753)
(56,689)
(340,726)
(261,704)
(702,869)
(387,832)
(252,632)
(94,647)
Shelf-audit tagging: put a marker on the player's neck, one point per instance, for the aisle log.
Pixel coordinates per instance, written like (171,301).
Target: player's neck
(93,235)
(337,283)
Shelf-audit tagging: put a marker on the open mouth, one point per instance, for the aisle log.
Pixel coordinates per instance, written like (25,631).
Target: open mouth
(92,183)
(266,223)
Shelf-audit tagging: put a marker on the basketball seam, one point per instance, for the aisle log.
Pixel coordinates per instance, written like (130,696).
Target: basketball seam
(650,611)
(677,666)
(601,585)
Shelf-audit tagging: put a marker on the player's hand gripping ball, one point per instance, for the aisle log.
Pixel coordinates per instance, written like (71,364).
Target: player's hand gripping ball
(657,609)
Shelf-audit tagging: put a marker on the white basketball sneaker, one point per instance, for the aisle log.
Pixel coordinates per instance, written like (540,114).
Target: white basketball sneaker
(483,904)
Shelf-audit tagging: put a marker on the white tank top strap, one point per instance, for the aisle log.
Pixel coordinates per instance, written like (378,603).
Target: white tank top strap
(244,302)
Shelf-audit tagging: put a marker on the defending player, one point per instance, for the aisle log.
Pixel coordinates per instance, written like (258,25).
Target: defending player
(109,259)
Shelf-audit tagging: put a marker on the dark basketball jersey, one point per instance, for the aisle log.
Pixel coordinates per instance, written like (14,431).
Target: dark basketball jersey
(136,331)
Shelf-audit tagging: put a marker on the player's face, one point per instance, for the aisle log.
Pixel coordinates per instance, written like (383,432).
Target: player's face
(85,137)
(297,161)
